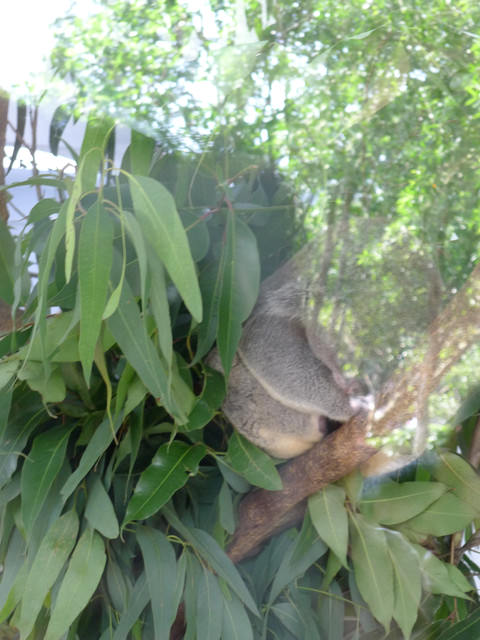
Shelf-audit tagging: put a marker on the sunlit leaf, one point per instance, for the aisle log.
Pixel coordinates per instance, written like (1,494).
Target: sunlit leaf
(95,255)
(373,568)
(163,228)
(446,515)
(436,576)
(392,502)
(329,516)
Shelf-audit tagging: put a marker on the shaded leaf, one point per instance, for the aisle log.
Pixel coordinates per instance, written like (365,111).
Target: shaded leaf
(465,629)
(49,561)
(140,153)
(436,577)
(330,519)
(458,474)
(40,469)
(79,583)
(137,602)
(99,510)
(167,473)
(226,513)
(209,607)
(160,568)
(252,463)
(236,623)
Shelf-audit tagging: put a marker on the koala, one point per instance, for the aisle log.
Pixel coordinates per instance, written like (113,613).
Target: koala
(285,380)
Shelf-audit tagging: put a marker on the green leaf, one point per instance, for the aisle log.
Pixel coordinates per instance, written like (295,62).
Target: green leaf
(168,472)
(129,331)
(330,519)
(160,307)
(437,575)
(391,502)
(210,551)
(79,583)
(137,602)
(226,513)
(95,255)
(252,463)
(40,469)
(161,571)
(43,209)
(289,616)
(458,474)
(98,443)
(240,285)
(236,623)
(49,383)
(407,581)
(210,284)
(208,402)
(8,369)
(466,629)
(373,568)
(306,549)
(91,154)
(197,234)
(99,510)
(140,153)
(332,613)
(446,515)
(209,607)
(49,561)
(7,250)
(156,211)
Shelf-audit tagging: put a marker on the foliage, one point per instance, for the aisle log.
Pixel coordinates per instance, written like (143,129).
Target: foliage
(119,480)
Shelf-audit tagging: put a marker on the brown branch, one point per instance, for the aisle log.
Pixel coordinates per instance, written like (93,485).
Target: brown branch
(454,331)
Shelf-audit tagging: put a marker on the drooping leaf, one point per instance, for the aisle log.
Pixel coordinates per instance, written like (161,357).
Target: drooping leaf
(100,512)
(465,629)
(167,473)
(436,576)
(209,606)
(49,561)
(392,502)
(136,604)
(48,382)
(446,515)
(79,583)
(330,519)
(236,623)
(252,463)
(407,581)
(40,469)
(129,331)
(95,255)
(160,569)
(97,445)
(43,209)
(373,568)
(226,513)
(211,552)
(140,153)
(332,613)
(156,210)
(458,474)
(59,121)
(239,288)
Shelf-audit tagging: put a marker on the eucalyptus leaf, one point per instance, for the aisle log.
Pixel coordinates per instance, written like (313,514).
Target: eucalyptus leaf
(446,515)
(209,606)
(167,473)
(329,516)
(252,463)
(79,583)
(99,510)
(457,473)
(373,568)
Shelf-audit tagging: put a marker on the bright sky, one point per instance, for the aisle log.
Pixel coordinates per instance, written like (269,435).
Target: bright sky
(27,37)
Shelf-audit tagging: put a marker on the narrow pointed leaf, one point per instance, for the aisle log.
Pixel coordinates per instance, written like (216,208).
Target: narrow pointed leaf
(457,473)
(137,602)
(209,606)
(40,470)
(161,571)
(79,583)
(373,568)
(95,254)
(236,624)
(167,473)
(157,213)
(49,561)
(446,515)
(330,519)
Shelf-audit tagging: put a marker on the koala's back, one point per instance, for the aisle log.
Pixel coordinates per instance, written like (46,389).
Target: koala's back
(276,352)
(279,430)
